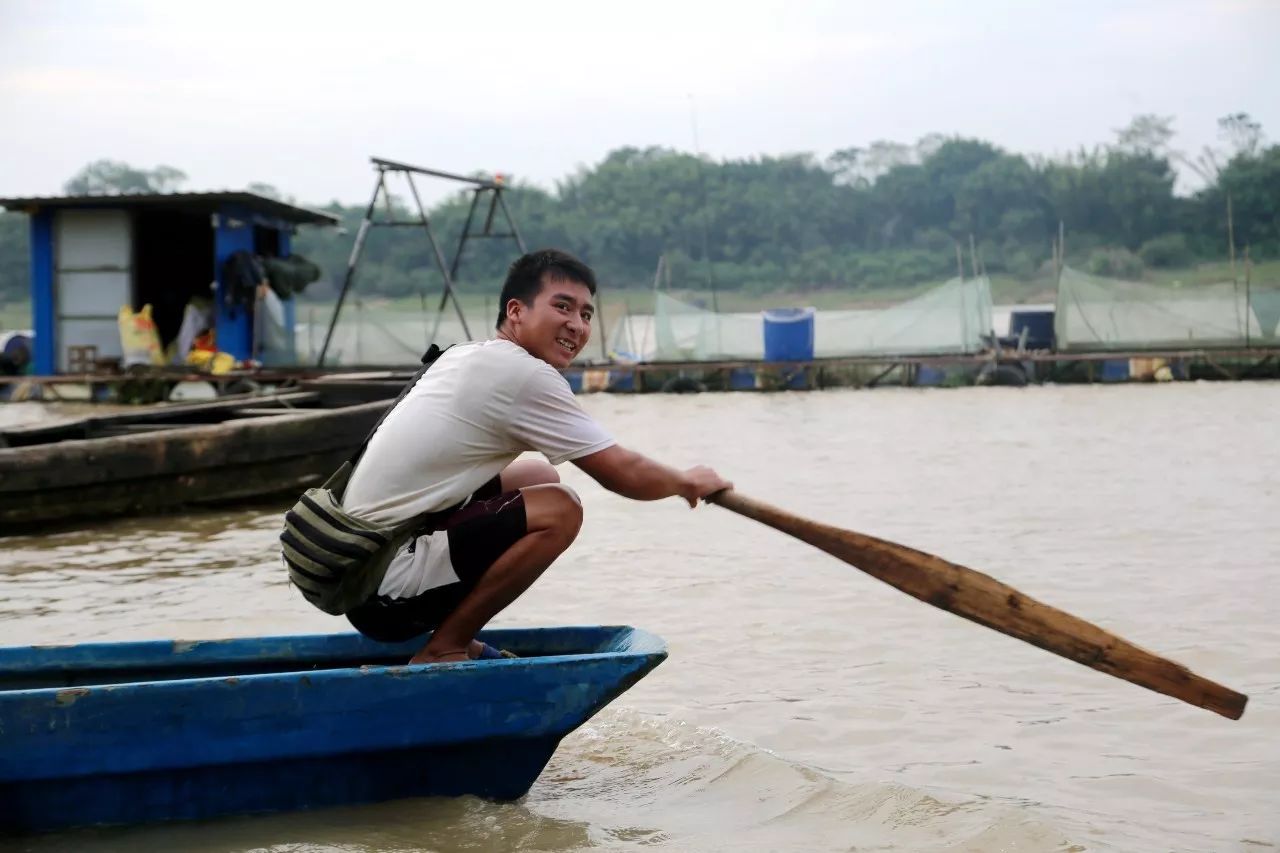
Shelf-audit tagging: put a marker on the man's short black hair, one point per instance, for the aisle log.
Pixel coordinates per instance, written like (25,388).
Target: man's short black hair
(526,275)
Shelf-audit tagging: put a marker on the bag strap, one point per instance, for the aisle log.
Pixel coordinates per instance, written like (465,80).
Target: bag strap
(337,483)
(428,358)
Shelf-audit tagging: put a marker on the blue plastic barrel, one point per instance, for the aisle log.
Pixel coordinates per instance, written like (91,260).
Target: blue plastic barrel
(1115,370)
(928,376)
(788,334)
(622,379)
(742,379)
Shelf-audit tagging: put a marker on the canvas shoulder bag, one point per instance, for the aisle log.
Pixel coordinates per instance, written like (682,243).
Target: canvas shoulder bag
(338,561)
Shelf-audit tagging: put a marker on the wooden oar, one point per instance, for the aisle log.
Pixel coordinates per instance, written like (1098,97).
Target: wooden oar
(985,600)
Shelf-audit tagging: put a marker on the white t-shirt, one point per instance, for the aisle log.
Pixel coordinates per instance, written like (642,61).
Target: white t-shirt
(479,407)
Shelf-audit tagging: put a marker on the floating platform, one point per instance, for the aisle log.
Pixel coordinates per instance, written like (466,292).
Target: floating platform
(1004,367)
(988,368)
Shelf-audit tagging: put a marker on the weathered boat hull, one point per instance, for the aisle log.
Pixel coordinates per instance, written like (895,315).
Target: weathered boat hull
(170,467)
(140,732)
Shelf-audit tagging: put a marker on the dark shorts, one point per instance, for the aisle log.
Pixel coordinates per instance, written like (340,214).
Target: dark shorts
(479,533)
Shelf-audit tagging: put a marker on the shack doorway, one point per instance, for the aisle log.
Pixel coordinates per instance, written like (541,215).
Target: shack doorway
(173,262)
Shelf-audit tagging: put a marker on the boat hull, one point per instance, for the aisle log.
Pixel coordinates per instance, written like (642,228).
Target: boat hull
(179,466)
(141,732)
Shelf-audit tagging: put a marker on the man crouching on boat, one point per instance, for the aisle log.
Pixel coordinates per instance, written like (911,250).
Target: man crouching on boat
(453,440)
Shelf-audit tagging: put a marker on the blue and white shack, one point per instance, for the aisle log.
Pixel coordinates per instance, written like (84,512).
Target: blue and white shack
(93,254)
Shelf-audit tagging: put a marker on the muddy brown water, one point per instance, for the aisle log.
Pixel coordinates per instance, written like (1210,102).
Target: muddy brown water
(806,706)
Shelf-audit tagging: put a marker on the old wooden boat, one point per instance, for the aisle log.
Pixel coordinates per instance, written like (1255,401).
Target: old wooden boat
(118,733)
(163,458)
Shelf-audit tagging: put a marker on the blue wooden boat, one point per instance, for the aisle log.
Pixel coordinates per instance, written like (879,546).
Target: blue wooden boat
(114,733)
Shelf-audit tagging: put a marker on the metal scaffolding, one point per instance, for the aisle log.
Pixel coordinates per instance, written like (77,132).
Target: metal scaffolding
(490,190)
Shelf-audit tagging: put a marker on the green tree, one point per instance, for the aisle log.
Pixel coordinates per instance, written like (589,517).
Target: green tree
(1004,197)
(886,214)
(1146,134)
(1252,182)
(105,177)
(1242,132)
(270,191)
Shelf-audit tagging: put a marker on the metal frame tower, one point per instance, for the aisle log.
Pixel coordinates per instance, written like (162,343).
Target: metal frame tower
(490,190)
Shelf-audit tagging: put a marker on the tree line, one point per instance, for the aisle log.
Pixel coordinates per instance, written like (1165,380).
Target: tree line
(886,215)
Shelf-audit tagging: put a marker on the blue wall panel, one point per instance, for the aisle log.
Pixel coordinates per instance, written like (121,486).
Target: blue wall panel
(290,305)
(42,307)
(235,323)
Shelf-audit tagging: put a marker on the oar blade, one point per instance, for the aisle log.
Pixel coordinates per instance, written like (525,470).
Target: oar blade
(981,598)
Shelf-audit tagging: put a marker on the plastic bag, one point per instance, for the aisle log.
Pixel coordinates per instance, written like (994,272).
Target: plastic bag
(139,338)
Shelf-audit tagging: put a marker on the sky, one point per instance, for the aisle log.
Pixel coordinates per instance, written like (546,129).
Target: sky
(300,94)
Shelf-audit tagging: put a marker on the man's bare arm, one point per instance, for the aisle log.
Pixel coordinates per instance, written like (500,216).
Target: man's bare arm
(634,475)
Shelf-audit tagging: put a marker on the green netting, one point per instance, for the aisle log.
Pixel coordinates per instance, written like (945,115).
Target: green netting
(1095,313)
(380,335)
(1264,303)
(954,317)
(391,335)
(686,332)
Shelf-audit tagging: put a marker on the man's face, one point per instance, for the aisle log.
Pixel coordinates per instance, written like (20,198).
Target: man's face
(558,324)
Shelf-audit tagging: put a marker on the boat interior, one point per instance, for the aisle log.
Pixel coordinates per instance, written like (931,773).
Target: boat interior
(99,664)
(319,393)
(169,416)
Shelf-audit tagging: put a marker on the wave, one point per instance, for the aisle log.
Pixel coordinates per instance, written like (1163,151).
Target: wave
(642,782)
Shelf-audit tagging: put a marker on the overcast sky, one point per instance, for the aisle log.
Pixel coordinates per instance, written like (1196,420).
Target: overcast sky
(300,94)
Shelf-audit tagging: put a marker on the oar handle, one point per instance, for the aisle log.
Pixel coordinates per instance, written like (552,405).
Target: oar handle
(985,600)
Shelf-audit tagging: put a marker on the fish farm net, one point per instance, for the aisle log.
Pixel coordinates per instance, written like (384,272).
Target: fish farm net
(1095,313)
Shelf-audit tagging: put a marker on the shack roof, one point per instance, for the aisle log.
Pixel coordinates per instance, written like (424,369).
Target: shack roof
(205,202)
